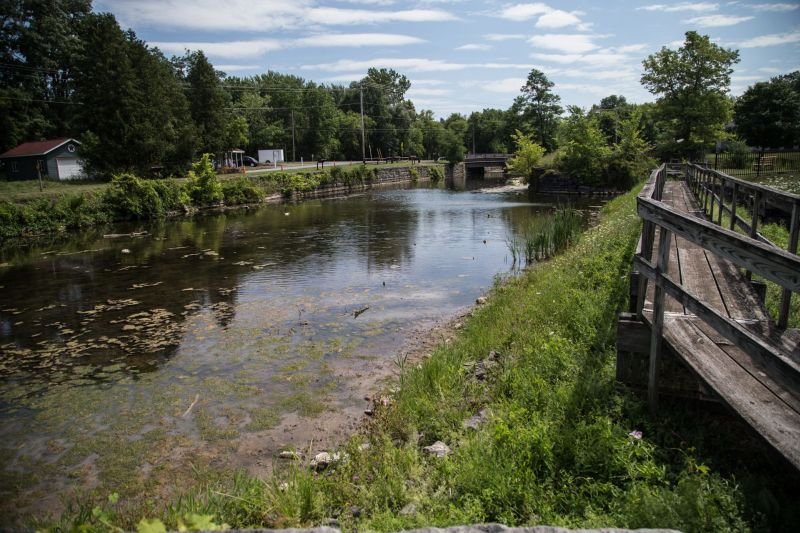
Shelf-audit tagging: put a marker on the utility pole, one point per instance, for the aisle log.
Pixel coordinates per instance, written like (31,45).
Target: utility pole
(473,138)
(39,173)
(293,157)
(363,143)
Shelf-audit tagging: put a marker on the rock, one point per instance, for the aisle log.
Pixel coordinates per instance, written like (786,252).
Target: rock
(125,251)
(356,511)
(438,449)
(482,300)
(369,411)
(321,461)
(494,356)
(410,509)
(289,454)
(475,421)
(458,325)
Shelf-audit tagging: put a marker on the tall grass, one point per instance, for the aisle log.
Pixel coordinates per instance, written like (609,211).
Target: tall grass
(545,237)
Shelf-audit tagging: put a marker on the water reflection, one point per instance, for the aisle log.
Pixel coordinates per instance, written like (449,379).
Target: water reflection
(254,312)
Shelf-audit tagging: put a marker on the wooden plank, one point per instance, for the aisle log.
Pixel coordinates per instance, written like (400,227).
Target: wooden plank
(781,384)
(755,403)
(740,299)
(774,264)
(633,335)
(732,330)
(697,277)
(658,320)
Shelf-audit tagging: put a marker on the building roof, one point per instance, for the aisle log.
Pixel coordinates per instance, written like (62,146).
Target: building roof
(37,147)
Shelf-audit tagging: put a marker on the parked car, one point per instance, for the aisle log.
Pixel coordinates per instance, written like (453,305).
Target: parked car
(249,161)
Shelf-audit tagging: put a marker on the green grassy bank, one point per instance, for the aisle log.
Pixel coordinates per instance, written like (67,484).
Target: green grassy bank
(557,442)
(27,212)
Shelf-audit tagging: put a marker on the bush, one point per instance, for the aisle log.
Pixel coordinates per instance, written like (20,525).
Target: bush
(129,197)
(435,173)
(203,186)
(172,194)
(241,191)
(413,174)
(739,154)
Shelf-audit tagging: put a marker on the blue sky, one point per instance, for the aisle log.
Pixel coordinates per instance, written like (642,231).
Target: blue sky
(466,55)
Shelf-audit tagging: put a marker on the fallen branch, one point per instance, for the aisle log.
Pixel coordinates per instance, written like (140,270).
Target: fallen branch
(358,313)
(196,399)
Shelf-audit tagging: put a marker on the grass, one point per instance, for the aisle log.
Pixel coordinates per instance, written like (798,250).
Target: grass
(559,440)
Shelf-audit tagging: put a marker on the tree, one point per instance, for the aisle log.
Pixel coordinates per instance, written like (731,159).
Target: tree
(133,113)
(489,130)
(768,113)
(539,108)
(582,147)
(207,103)
(611,111)
(526,157)
(691,84)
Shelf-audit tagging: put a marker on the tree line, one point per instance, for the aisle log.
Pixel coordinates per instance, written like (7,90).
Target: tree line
(66,71)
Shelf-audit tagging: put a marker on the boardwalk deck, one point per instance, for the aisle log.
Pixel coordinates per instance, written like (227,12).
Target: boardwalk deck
(763,390)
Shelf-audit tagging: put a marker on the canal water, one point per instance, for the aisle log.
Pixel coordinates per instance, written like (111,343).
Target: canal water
(149,363)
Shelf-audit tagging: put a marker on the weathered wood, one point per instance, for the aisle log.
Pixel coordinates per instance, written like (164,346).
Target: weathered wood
(633,335)
(781,199)
(748,397)
(776,265)
(732,330)
(786,295)
(658,319)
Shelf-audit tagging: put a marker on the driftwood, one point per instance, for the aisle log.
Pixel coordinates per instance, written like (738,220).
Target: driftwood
(121,235)
(358,313)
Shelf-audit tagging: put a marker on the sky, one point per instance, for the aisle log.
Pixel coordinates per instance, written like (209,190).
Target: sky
(467,55)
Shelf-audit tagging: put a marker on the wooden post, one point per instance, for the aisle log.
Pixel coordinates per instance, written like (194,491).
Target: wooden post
(39,173)
(721,200)
(754,224)
(786,296)
(658,319)
(733,206)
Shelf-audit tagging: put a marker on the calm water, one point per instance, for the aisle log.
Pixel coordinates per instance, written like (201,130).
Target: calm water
(125,360)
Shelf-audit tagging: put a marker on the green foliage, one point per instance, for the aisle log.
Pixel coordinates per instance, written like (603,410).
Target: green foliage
(740,154)
(582,148)
(241,191)
(628,162)
(768,113)
(539,108)
(130,197)
(414,174)
(691,84)
(202,185)
(526,157)
(545,237)
(435,173)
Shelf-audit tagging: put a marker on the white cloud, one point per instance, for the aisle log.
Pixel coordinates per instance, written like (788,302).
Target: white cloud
(681,6)
(716,21)
(357,40)
(423,91)
(774,7)
(416,81)
(257,47)
(773,39)
(565,43)
(599,90)
(237,68)
(262,16)
(408,65)
(503,36)
(346,77)
(337,16)
(557,19)
(227,50)
(770,70)
(520,12)
(505,85)
(473,46)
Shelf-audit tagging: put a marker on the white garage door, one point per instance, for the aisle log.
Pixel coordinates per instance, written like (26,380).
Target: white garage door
(69,169)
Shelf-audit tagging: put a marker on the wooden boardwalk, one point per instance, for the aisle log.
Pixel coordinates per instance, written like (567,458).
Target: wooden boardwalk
(713,320)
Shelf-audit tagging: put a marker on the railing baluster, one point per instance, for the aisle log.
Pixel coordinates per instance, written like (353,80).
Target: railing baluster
(658,319)
(786,295)
(754,224)
(733,206)
(722,181)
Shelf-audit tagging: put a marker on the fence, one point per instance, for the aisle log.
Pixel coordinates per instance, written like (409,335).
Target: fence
(755,165)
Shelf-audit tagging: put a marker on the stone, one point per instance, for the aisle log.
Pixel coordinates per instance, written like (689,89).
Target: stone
(289,454)
(410,509)
(321,461)
(481,300)
(438,449)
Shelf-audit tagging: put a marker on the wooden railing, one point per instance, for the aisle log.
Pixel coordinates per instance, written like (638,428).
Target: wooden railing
(730,195)
(746,251)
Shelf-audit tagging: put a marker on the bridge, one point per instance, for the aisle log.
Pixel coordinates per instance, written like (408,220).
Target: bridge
(697,325)
(485,165)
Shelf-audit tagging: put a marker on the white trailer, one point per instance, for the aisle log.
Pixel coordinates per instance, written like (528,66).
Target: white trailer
(270,156)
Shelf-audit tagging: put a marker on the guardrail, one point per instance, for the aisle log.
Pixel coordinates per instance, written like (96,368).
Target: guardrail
(745,251)
(730,195)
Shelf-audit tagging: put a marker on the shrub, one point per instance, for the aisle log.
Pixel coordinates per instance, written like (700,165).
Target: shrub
(414,174)
(241,191)
(435,174)
(203,186)
(583,148)
(129,197)
(172,193)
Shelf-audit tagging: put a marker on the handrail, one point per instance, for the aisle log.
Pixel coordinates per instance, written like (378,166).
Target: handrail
(777,265)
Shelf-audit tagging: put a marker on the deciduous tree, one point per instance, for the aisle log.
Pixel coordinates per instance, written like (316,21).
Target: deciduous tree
(768,113)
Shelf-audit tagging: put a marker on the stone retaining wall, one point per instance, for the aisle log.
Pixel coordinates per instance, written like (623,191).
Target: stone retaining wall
(383,176)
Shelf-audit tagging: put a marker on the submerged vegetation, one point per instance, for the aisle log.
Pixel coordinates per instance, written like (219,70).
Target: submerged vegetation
(536,429)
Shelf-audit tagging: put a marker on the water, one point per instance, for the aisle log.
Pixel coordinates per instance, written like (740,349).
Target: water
(144,364)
